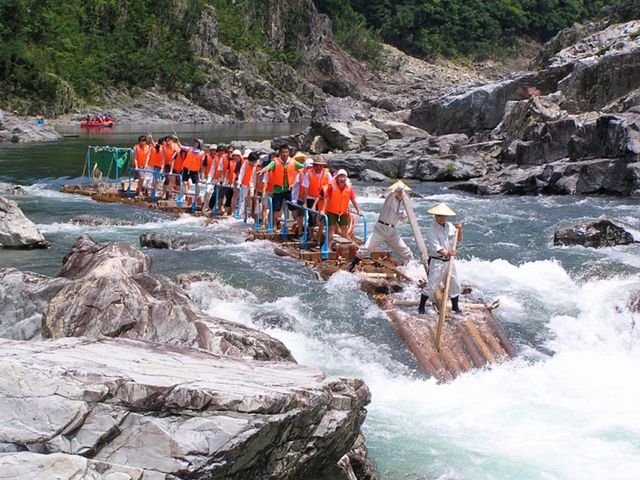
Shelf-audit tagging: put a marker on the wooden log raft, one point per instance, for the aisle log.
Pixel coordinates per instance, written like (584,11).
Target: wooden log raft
(468,341)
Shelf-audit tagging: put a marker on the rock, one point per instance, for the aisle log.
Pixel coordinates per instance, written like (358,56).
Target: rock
(163,241)
(96,221)
(113,295)
(88,258)
(59,466)
(12,189)
(24,296)
(608,136)
(595,234)
(338,136)
(16,230)
(396,130)
(19,130)
(176,412)
(372,176)
(342,110)
(366,133)
(481,108)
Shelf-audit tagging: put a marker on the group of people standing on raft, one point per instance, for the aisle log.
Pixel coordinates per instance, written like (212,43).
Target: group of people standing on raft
(247,180)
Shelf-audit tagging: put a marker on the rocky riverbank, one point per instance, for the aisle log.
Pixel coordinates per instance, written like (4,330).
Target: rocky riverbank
(133,378)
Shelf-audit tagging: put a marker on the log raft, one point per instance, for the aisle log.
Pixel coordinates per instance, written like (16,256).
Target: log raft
(470,341)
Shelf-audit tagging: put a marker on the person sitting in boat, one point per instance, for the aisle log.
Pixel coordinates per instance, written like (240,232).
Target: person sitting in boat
(385,230)
(439,239)
(335,204)
(140,157)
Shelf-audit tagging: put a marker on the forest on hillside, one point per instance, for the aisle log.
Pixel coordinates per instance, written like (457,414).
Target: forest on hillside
(472,29)
(74,48)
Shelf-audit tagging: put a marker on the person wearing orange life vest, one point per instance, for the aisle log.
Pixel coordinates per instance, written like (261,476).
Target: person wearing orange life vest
(211,164)
(140,156)
(247,179)
(313,181)
(264,189)
(337,196)
(297,192)
(192,164)
(169,153)
(155,160)
(283,171)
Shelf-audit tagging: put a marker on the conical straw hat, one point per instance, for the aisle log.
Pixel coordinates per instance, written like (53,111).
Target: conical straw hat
(399,185)
(442,209)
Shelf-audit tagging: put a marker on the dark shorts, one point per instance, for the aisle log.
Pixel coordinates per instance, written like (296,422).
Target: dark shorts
(312,216)
(228,196)
(188,174)
(340,220)
(279,199)
(168,178)
(136,174)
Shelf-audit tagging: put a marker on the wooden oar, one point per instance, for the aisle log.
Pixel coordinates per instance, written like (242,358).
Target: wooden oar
(393,268)
(445,295)
(415,228)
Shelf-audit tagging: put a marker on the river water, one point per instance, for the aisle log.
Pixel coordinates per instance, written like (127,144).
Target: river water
(567,408)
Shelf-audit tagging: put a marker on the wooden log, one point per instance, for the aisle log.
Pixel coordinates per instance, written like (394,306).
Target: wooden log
(449,360)
(422,355)
(434,356)
(493,343)
(393,268)
(502,336)
(476,357)
(457,350)
(473,331)
(415,228)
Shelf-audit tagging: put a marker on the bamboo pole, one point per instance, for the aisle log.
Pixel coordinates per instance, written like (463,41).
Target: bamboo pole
(443,305)
(415,228)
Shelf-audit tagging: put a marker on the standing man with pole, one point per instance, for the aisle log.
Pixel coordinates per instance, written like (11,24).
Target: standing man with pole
(385,230)
(442,248)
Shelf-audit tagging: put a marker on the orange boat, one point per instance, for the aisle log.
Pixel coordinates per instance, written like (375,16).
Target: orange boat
(98,123)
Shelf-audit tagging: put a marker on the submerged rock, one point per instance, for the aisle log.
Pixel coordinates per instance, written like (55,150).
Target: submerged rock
(175,412)
(176,242)
(95,221)
(114,295)
(11,189)
(596,234)
(24,296)
(16,230)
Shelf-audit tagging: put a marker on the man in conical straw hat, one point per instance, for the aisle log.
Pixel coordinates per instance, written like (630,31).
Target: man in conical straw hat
(439,238)
(385,230)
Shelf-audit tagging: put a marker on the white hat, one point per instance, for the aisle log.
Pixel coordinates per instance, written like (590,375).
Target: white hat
(442,209)
(342,171)
(236,152)
(213,146)
(399,186)
(246,153)
(308,163)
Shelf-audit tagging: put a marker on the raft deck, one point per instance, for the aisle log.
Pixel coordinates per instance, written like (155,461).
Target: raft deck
(469,341)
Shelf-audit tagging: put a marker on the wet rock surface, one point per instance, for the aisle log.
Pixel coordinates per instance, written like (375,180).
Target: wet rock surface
(173,412)
(12,189)
(595,234)
(16,230)
(175,242)
(114,295)
(20,130)
(24,296)
(96,221)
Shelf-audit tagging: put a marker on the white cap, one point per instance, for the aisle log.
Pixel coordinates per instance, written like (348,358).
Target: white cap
(246,153)
(342,171)
(213,146)
(308,163)
(236,152)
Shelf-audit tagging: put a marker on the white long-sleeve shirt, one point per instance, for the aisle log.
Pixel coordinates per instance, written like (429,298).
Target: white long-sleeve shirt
(439,237)
(392,210)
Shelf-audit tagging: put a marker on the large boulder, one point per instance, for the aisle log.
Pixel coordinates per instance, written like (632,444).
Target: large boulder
(395,129)
(24,296)
(114,295)
(60,466)
(19,130)
(174,412)
(16,230)
(595,234)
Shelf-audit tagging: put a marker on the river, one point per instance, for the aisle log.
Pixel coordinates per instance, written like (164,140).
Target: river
(566,408)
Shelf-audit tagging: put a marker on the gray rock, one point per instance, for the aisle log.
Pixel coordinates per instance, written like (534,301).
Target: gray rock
(18,130)
(367,134)
(372,176)
(16,230)
(339,136)
(595,234)
(395,130)
(96,221)
(175,242)
(24,296)
(176,412)
(12,189)
(113,295)
(60,466)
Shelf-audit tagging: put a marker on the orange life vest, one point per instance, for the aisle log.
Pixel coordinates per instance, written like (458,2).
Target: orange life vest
(279,170)
(231,170)
(339,199)
(248,172)
(169,152)
(193,162)
(317,181)
(271,182)
(156,158)
(221,166)
(141,156)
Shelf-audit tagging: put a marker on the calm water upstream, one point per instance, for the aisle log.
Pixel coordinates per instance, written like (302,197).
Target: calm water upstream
(567,408)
